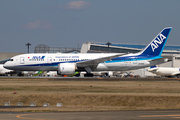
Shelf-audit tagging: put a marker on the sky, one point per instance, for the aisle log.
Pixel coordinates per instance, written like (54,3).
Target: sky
(70,23)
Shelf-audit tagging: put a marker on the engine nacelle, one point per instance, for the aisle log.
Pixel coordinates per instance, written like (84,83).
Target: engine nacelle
(109,73)
(66,68)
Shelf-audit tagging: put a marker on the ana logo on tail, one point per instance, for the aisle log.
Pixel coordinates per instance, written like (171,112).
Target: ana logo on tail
(158,40)
(156,46)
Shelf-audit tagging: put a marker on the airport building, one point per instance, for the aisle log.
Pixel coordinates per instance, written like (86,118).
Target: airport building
(90,47)
(42,48)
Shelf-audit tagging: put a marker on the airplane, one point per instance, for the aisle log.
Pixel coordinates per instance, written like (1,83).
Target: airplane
(165,71)
(66,64)
(3,70)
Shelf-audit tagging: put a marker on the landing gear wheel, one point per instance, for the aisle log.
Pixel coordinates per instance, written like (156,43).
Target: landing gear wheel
(88,75)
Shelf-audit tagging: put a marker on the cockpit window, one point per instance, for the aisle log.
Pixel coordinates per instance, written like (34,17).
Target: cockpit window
(11,60)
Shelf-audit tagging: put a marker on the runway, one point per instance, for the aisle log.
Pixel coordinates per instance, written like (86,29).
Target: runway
(94,98)
(113,115)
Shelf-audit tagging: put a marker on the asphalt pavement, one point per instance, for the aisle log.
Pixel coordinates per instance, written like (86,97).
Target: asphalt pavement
(108,115)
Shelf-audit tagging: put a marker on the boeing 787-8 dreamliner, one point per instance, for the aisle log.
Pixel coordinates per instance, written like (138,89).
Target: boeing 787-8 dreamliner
(69,63)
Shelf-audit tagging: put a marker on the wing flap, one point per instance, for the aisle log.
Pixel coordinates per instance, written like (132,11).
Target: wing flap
(166,58)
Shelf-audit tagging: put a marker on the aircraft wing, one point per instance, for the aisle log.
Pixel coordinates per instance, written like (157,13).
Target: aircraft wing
(94,63)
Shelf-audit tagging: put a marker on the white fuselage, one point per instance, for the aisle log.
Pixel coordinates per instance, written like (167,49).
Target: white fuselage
(165,71)
(49,62)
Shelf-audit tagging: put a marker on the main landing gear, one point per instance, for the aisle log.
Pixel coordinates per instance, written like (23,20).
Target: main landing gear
(88,75)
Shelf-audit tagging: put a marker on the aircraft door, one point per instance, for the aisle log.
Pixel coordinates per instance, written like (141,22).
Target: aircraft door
(22,60)
(49,60)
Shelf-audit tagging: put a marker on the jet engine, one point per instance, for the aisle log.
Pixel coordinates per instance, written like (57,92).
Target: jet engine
(109,73)
(66,68)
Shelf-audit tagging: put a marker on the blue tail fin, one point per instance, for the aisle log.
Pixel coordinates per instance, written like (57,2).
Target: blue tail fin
(156,46)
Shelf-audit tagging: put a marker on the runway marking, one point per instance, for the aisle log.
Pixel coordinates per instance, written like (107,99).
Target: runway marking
(20,116)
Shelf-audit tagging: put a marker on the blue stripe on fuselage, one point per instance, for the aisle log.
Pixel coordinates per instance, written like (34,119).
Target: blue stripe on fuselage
(50,64)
